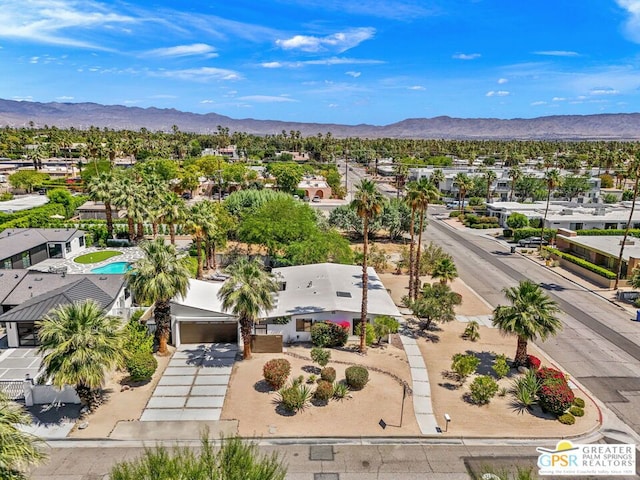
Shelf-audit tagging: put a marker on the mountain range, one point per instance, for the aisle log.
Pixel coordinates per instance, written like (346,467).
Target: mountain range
(617,126)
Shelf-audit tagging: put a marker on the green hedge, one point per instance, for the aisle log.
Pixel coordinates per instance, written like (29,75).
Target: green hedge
(520,233)
(39,216)
(602,232)
(603,272)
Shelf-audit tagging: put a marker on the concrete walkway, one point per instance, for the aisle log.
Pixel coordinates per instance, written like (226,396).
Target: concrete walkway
(194,384)
(420,385)
(484,320)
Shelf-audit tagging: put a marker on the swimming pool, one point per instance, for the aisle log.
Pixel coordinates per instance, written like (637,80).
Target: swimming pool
(114,268)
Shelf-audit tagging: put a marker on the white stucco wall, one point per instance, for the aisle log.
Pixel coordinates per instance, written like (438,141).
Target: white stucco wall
(12,335)
(290,335)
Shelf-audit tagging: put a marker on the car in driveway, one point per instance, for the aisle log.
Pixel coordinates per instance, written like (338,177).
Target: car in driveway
(531,242)
(315,199)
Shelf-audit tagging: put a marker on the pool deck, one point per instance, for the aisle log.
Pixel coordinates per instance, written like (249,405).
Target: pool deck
(129,255)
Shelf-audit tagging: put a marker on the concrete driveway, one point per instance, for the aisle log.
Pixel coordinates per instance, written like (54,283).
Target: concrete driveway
(194,384)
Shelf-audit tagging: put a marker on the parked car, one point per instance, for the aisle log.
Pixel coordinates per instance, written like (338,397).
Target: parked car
(42,191)
(455,205)
(531,242)
(316,199)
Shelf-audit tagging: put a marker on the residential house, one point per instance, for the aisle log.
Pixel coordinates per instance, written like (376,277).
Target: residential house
(91,210)
(27,296)
(24,247)
(315,187)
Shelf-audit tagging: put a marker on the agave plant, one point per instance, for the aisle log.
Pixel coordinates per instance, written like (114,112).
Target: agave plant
(525,390)
(295,397)
(340,390)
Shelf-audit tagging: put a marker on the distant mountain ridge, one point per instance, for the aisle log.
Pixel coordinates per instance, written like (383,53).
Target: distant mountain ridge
(616,126)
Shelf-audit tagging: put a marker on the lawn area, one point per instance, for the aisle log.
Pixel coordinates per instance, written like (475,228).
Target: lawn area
(96,257)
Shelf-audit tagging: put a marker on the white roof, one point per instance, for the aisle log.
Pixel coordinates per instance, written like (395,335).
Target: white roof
(202,295)
(330,287)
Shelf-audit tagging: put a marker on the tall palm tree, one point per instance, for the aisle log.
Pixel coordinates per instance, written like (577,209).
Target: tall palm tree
(80,345)
(102,188)
(464,184)
(200,225)
(174,211)
(18,449)
(426,193)
(437,177)
(125,197)
(156,278)
(515,174)
(368,204)
(412,199)
(248,291)
(531,315)
(633,172)
(552,179)
(490,176)
(445,270)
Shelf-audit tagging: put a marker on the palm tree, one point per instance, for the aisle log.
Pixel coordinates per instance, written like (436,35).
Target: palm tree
(514,174)
(368,204)
(101,188)
(633,172)
(445,270)
(18,449)
(125,197)
(490,176)
(464,184)
(531,315)
(248,291)
(426,193)
(437,177)
(174,210)
(552,180)
(412,200)
(80,345)
(200,224)
(157,278)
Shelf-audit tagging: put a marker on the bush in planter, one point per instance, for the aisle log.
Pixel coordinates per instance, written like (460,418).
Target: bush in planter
(320,356)
(276,371)
(141,366)
(533,362)
(567,419)
(356,377)
(329,334)
(547,373)
(328,374)
(324,391)
(578,402)
(500,366)
(464,365)
(576,411)
(295,397)
(526,388)
(555,396)
(483,389)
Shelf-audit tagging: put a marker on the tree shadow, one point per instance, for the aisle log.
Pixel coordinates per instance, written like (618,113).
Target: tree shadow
(262,386)
(128,382)
(534,410)
(449,385)
(283,411)
(311,369)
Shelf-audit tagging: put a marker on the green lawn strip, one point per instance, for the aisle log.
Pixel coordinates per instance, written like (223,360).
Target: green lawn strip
(96,257)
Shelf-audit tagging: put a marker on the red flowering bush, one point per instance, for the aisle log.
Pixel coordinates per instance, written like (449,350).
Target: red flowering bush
(329,334)
(555,396)
(276,371)
(546,373)
(534,362)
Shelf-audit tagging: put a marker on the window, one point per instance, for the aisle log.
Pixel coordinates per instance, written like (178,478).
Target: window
(26,260)
(7,264)
(303,324)
(67,247)
(27,334)
(81,241)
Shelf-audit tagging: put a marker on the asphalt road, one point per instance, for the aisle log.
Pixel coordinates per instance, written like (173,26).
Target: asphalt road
(600,344)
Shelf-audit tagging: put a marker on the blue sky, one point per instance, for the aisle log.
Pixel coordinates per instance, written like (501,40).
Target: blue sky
(329,61)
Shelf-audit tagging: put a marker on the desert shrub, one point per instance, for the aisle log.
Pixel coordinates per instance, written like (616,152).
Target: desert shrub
(472,331)
(581,262)
(503,392)
(370,333)
(464,365)
(320,356)
(295,397)
(526,388)
(576,411)
(385,325)
(500,366)
(329,334)
(546,373)
(454,214)
(328,374)
(356,377)
(340,390)
(520,233)
(567,419)
(534,362)
(483,389)
(137,339)
(324,391)
(312,379)
(555,396)
(276,371)
(578,402)
(141,366)
(517,220)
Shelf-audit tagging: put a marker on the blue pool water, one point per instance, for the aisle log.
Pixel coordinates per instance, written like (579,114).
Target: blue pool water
(115,267)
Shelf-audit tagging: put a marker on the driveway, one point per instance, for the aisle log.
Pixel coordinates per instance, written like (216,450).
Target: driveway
(194,384)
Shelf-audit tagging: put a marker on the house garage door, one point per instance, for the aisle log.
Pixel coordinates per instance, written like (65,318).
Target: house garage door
(202,332)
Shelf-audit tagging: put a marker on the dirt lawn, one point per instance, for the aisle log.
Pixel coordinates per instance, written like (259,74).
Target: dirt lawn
(251,402)
(499,418)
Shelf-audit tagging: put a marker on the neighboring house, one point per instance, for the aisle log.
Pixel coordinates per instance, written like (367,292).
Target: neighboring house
(91,210)
(315,187)
(23,247)
(308,294)
(27,296)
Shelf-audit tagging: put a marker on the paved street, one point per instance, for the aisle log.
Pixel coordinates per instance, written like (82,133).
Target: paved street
(599,345)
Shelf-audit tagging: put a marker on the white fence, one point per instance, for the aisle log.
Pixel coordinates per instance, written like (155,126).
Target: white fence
(45,394)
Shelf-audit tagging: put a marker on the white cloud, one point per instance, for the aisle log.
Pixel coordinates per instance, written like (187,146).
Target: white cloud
(56,22)
(498,93)
(535,104)
(266,99)
(163,95)
(604,91)
(27,98)
(64,98)
(202,74)
(271,65)
(558,99)
(339,42)
(557,53)
(632,26)
(207,101)
(184,51)
(417,87)
(466,56)
(353,74)
(502,81)
(323,61)
(34,59)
